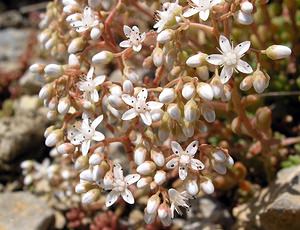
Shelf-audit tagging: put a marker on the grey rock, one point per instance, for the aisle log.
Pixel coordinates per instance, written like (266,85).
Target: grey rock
(23,211)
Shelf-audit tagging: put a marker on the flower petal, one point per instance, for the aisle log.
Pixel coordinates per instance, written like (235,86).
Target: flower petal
(226,74)
(90,74)
(127,196)
(154,105)
(85,146)
(87,12)
(182,172)
(172,163)
(204,14)
(82,29)
(98,136)
(125,44)
(149,218)
(215,59)
(190,12)
(127,30)
(129,100)
(96,122)
(143,37)
(99,80)
(77,24)
(197,164)
(176,148)
(95,95)
(135,29)
(132,178)
(143,94)
(224,44)
(118,171)
(137,48)
(244,67)
(146,118)
(242,48)
(129,114)
(192,148)
(111,198)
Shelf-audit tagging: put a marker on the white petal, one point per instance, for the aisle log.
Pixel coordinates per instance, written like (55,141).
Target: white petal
(242,48)
(154,105)
(172,163)
(111,198)
(129,100)
(149,218)
(90,74)
(204,14)
(143,37)
(135,29)
(128,197)
(176,147)
(99,80)
(132,178)
(129,114)
(224,44)
(197,164)
(118,171)
(146,118)
(96,122)
(143,94)
(77,24)
(226,74)
(215,59)
(190,12)
(87,12)
(85,146)
(244,67)
(192,148)
(127,30)
(182,172)
(82,29)
(125,44)
(95,95)
(85,125)
(137,48)
(98,136)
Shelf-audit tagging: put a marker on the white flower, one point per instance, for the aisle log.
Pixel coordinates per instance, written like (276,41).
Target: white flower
(89,85)
(167,17)
(184,158)
(202,7)
(140,107)
(85,134)
(221,161)
(135,38)
(84,21)
(230,58)
(178,199)
(119,186)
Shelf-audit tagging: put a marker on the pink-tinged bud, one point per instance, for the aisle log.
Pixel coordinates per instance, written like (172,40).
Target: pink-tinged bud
(246,83)
(46,91)
(276,52)
(246,7)
(191,111)
(165,36)
(49,130)
(157,57)
(140,154)
(95,33)
(76,45)
(260,81)
(54,70)
(207,187)
(64,105)
(208,113)
(160,177)
(165,214)
(54,137)
(96,158)
(196,60)
(86,175)
(205,91)
(158,158)
(90,196)
(188,90)
(73,60)
(145,181)
(146,168)
(192,187)
(167,95)
(153,204)
(66,148)
(81,163)
(174,111)
(103,57)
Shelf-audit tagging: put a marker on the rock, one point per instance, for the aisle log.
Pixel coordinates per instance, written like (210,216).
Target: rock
(23,211)
(276,207)
(30,83)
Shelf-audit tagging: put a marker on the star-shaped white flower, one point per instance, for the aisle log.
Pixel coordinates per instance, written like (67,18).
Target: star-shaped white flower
(119,186)
(178,199)
(84,21)
(85,134)
(230,58)
(89,85)
(140,107)
(202,7)
(167,17)
(135,38)
(184,158)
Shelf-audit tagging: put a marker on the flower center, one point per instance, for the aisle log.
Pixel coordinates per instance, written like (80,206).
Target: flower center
(184,159)
(230,58)
(119,185)
(141,106)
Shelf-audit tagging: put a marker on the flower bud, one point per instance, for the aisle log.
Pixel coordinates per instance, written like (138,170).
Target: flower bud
(158,158)
(28,180)
(246,7)
(260,81)
(140,154)
(160,177)
(146,168)
(167,95)
(131,74)
(116,90)
(64,105)
(65,148)
(98,173)
(203,72)
(51,115)
(54,137)
(54,70)
(192,187)
(246,83)
(165,36)
(153,204)
(205,91)
(76,45)
(208,113)
(226,96)
(115,101)
(263,118)
(174,111)
(143,182)
(164,214)
(188,90)
(188,129)
(217,87)
(49,130)
(90,196)
(81,163)
(219,156)
(157,57)
(95,33)
(46,91)
(36,68)
(50,43)
(196,60)
(71,8)
(28,164)
(243,18)
(86,175)
(95,159)
(191,111)
(207,187)
(156,114)
(73,60)
(103,57)
(81,188)
(276,52)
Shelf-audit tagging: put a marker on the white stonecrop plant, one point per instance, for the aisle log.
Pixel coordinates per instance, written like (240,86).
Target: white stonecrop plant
(103,87)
